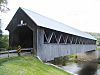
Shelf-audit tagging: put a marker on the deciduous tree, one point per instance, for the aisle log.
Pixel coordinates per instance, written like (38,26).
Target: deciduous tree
(4,41)
(3,6)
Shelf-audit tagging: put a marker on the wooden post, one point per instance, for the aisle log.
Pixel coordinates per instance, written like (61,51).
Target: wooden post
(35,41)
(8,53)
(19,50)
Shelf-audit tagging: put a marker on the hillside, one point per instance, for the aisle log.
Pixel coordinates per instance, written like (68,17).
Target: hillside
(27,65)
(97,36)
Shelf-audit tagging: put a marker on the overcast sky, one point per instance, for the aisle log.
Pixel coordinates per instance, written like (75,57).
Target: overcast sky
(81,14)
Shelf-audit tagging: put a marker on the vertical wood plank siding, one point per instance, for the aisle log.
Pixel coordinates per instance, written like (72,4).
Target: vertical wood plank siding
(52,50)
(48,52)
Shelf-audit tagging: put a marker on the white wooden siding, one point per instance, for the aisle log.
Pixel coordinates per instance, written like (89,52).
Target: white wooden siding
(48,52)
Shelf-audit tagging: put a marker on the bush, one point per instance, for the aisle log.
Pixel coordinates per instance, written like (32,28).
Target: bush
(64,59)
(61,61)
(72,58)
(4,41)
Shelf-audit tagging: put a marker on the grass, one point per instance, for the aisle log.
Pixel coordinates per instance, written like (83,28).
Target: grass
(98,48)
(72,58)
(27,65)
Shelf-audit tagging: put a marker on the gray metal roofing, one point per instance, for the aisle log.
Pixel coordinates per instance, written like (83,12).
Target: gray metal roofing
(52,24)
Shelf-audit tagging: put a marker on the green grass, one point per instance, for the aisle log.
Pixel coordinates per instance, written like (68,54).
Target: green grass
(98,48)
(27,65)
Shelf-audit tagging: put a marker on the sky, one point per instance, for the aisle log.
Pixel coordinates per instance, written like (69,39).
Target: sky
(80,14)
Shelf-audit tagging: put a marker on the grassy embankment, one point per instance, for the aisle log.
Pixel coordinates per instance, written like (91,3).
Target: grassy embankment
(98,48)
(27,65)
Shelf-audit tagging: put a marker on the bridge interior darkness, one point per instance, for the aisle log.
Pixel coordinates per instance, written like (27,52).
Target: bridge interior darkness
(25,37)
(22,36)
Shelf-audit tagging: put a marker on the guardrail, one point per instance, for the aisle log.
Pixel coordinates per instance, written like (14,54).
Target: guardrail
(15,51)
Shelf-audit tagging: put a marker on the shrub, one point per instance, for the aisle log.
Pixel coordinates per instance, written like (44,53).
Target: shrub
(61,61)
(72,58)
(4,41)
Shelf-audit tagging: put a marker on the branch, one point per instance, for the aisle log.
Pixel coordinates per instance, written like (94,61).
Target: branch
(4,8)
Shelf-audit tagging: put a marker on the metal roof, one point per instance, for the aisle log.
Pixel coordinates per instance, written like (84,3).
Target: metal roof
(52,24)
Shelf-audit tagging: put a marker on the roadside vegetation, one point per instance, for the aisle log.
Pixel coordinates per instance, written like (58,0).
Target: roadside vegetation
(4,42)
(98,48)
(63,60)
(27,65)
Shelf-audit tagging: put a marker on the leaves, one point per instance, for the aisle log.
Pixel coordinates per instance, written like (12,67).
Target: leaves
(3,6)
(3,2)
(4,41)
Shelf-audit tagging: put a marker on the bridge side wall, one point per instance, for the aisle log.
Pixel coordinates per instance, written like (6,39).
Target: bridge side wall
(51,51)
(48,52)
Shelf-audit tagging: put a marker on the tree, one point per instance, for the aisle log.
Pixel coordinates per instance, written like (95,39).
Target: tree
(3,38)
(4,41)
(3,1)
(3,5)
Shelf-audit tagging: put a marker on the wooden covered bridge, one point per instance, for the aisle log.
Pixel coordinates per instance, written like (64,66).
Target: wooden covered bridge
(48,38)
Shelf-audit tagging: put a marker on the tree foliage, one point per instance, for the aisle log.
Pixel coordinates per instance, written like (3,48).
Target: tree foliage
(3,1)
(4,41)
(3,5)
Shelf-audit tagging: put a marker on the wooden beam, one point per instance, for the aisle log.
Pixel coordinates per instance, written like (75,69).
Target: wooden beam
(49,39)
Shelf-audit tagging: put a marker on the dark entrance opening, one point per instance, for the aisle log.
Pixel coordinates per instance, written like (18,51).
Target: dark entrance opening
(25,37)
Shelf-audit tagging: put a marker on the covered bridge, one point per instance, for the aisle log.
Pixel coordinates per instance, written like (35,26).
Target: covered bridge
(48,38)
